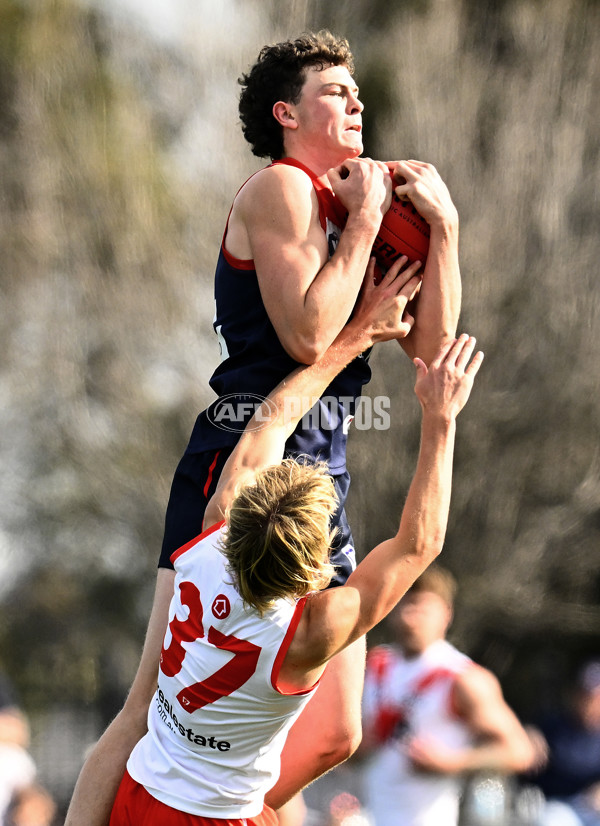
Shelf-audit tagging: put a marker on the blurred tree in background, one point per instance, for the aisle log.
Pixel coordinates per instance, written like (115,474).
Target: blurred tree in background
(120,153)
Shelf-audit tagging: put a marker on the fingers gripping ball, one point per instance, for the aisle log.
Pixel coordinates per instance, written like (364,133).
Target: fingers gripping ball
(403,232)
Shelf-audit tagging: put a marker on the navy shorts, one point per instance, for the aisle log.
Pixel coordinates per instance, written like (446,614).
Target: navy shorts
(194,483)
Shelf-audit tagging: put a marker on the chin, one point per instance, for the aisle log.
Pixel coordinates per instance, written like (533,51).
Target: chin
(412,648)
(356,149)
(351,143)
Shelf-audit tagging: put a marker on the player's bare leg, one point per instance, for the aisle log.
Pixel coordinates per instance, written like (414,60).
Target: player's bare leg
(329,729)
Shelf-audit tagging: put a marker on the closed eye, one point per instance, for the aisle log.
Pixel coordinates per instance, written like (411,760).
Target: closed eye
(342,91)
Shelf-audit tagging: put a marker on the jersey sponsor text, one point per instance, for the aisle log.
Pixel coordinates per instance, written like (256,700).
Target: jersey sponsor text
(168,716)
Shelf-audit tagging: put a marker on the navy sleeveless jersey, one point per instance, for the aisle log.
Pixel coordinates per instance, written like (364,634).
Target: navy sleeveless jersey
(254,361)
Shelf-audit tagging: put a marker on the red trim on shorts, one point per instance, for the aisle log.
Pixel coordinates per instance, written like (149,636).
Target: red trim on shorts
(210,474)
(176,554)
(283,649)
(266,818)
(134,805)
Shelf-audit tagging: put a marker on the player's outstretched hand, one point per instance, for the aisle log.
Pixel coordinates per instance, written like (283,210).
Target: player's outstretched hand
(444,387)
(381,308)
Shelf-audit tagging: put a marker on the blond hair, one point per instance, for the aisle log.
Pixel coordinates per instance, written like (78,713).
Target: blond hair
(278,536)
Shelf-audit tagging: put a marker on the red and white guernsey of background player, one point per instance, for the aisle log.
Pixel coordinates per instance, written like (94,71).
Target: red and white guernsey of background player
(217,759)
(412,698)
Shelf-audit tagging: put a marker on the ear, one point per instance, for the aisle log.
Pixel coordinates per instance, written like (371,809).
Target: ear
(283,115)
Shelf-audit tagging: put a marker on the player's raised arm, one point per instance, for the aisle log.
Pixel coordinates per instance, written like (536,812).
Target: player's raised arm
(335,618)
(380,316)
(438,309)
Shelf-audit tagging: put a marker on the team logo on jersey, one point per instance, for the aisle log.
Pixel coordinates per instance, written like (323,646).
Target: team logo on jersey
(221,607)
(233,412)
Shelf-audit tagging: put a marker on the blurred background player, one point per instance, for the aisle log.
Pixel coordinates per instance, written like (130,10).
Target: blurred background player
(430,715)
(17,769)
(294,254)
(23,802)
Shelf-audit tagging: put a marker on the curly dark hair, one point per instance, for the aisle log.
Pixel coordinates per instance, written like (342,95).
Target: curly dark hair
(279,74)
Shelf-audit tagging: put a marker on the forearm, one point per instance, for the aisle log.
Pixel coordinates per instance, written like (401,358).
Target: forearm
(425,514)
(495,756)
(439,301)
(331,297)
(101,774)
(337,617)
(422,528)
(296,394)
(102,771)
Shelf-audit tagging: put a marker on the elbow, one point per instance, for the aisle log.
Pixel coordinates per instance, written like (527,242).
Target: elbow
(304,356)
(436,547)
(305,349)
(525,757)
(429,551)
(519,754)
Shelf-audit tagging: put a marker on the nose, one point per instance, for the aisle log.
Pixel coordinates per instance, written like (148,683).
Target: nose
(410,615)
(354,104)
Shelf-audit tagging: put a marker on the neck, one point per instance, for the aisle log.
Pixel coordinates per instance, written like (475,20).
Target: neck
(316,161)
(411,653)
(317,168)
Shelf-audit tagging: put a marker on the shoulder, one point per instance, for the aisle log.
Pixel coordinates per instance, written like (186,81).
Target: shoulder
(325,626)
(451,656)
(275,179)
(475,677)
(475,685)
(276,186)
(208,542)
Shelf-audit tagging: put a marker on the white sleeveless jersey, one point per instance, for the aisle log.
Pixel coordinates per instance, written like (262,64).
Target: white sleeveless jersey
(407,698)
(218,722)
